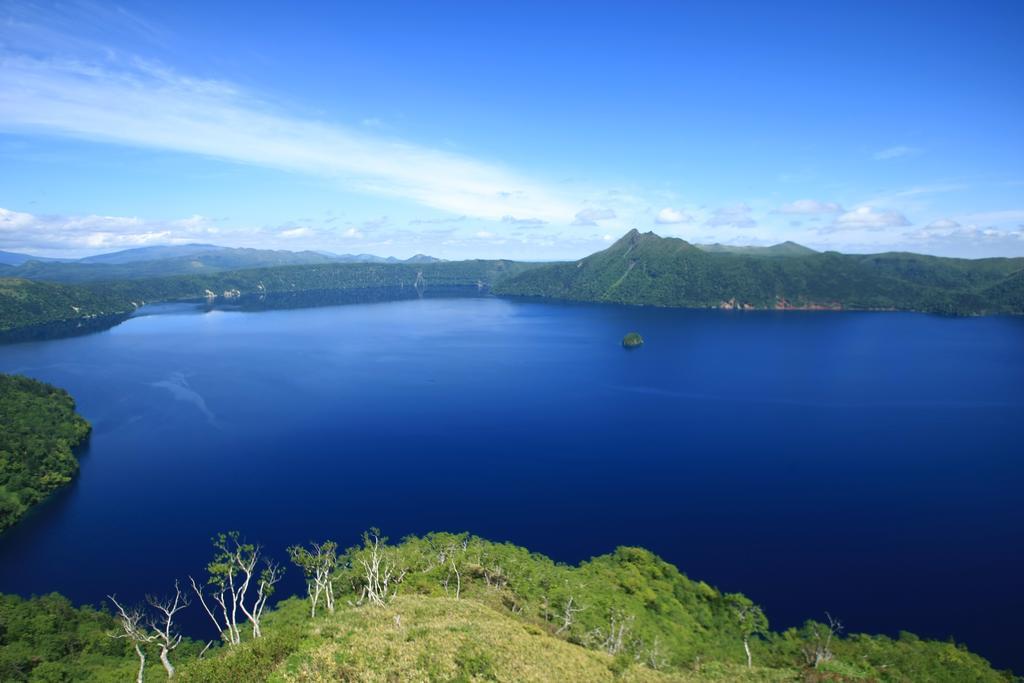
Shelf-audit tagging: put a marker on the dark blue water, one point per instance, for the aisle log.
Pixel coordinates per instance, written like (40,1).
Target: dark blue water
(868,464)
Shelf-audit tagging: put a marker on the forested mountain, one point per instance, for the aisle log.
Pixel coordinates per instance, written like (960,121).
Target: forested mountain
(664,271)
(641,269)
(781,249)
(26,302)
(10,258)
(186,259)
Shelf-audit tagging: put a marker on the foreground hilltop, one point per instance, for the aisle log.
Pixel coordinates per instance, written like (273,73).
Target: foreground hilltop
(646,269)
(454,607)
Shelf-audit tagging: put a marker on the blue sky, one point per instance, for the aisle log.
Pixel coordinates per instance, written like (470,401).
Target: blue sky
(519,130)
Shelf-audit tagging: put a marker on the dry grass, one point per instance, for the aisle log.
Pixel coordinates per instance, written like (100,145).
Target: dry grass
(421,639)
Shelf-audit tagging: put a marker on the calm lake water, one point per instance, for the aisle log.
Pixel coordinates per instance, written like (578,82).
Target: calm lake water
(868,464)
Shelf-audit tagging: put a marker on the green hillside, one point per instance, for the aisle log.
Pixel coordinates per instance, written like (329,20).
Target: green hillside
(642,269)
(781,249)
(39,430)
(454,607)
(664,271)
(26,303)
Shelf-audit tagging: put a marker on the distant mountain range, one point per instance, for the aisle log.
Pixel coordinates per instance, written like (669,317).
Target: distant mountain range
(639,269)
(10,258)
(185,259)
(646,269)
(782,249)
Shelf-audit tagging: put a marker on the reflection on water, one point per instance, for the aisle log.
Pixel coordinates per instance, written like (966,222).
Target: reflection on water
(246,302)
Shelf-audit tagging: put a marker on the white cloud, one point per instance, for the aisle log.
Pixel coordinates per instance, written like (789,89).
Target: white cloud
(809,206)
(437,221)
(14,220)
(353,233)
(896,152)
(592,216)
(955,239)
(868,218)
(522,221)
(607,238)
(942,224)
(128,101)
(1007,216)
(295,233)
(21,230)
(732,216)
(669,216)
(484,235)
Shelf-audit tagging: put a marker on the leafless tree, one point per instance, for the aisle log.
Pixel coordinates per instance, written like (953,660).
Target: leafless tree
(655,657)
(232,573)
(495,577)
(613,639)
(569,613)
(820,648)
(318,564)
(379,571)
(133,630)
(166,636)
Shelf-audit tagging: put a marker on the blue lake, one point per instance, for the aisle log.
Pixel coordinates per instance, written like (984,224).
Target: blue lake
(868,464)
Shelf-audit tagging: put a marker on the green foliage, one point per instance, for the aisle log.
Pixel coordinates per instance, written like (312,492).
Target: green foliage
(632,340)
(650,270)
(40,429)
(638,269)
(519,616)
(46,639)
(25,302)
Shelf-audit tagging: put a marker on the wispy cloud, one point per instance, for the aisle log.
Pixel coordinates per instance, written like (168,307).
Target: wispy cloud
(1007,216)
(437,221)
(942,224)
(296,233)
(670,216)
(125,100)
(896,152)
(21,230)
(868,218)
(948,236)
(737,216)
(809,207)
(592,216)
(522,221)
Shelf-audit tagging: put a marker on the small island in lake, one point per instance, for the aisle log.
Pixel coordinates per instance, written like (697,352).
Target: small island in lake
(632,340)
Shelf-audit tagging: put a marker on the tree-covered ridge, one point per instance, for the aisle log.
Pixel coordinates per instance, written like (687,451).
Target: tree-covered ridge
(40,429)
(640,269)
(664,271)
(26,303)
(455,607)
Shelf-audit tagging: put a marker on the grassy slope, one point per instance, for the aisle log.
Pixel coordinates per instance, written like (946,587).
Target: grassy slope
(415,638)
(506,625)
